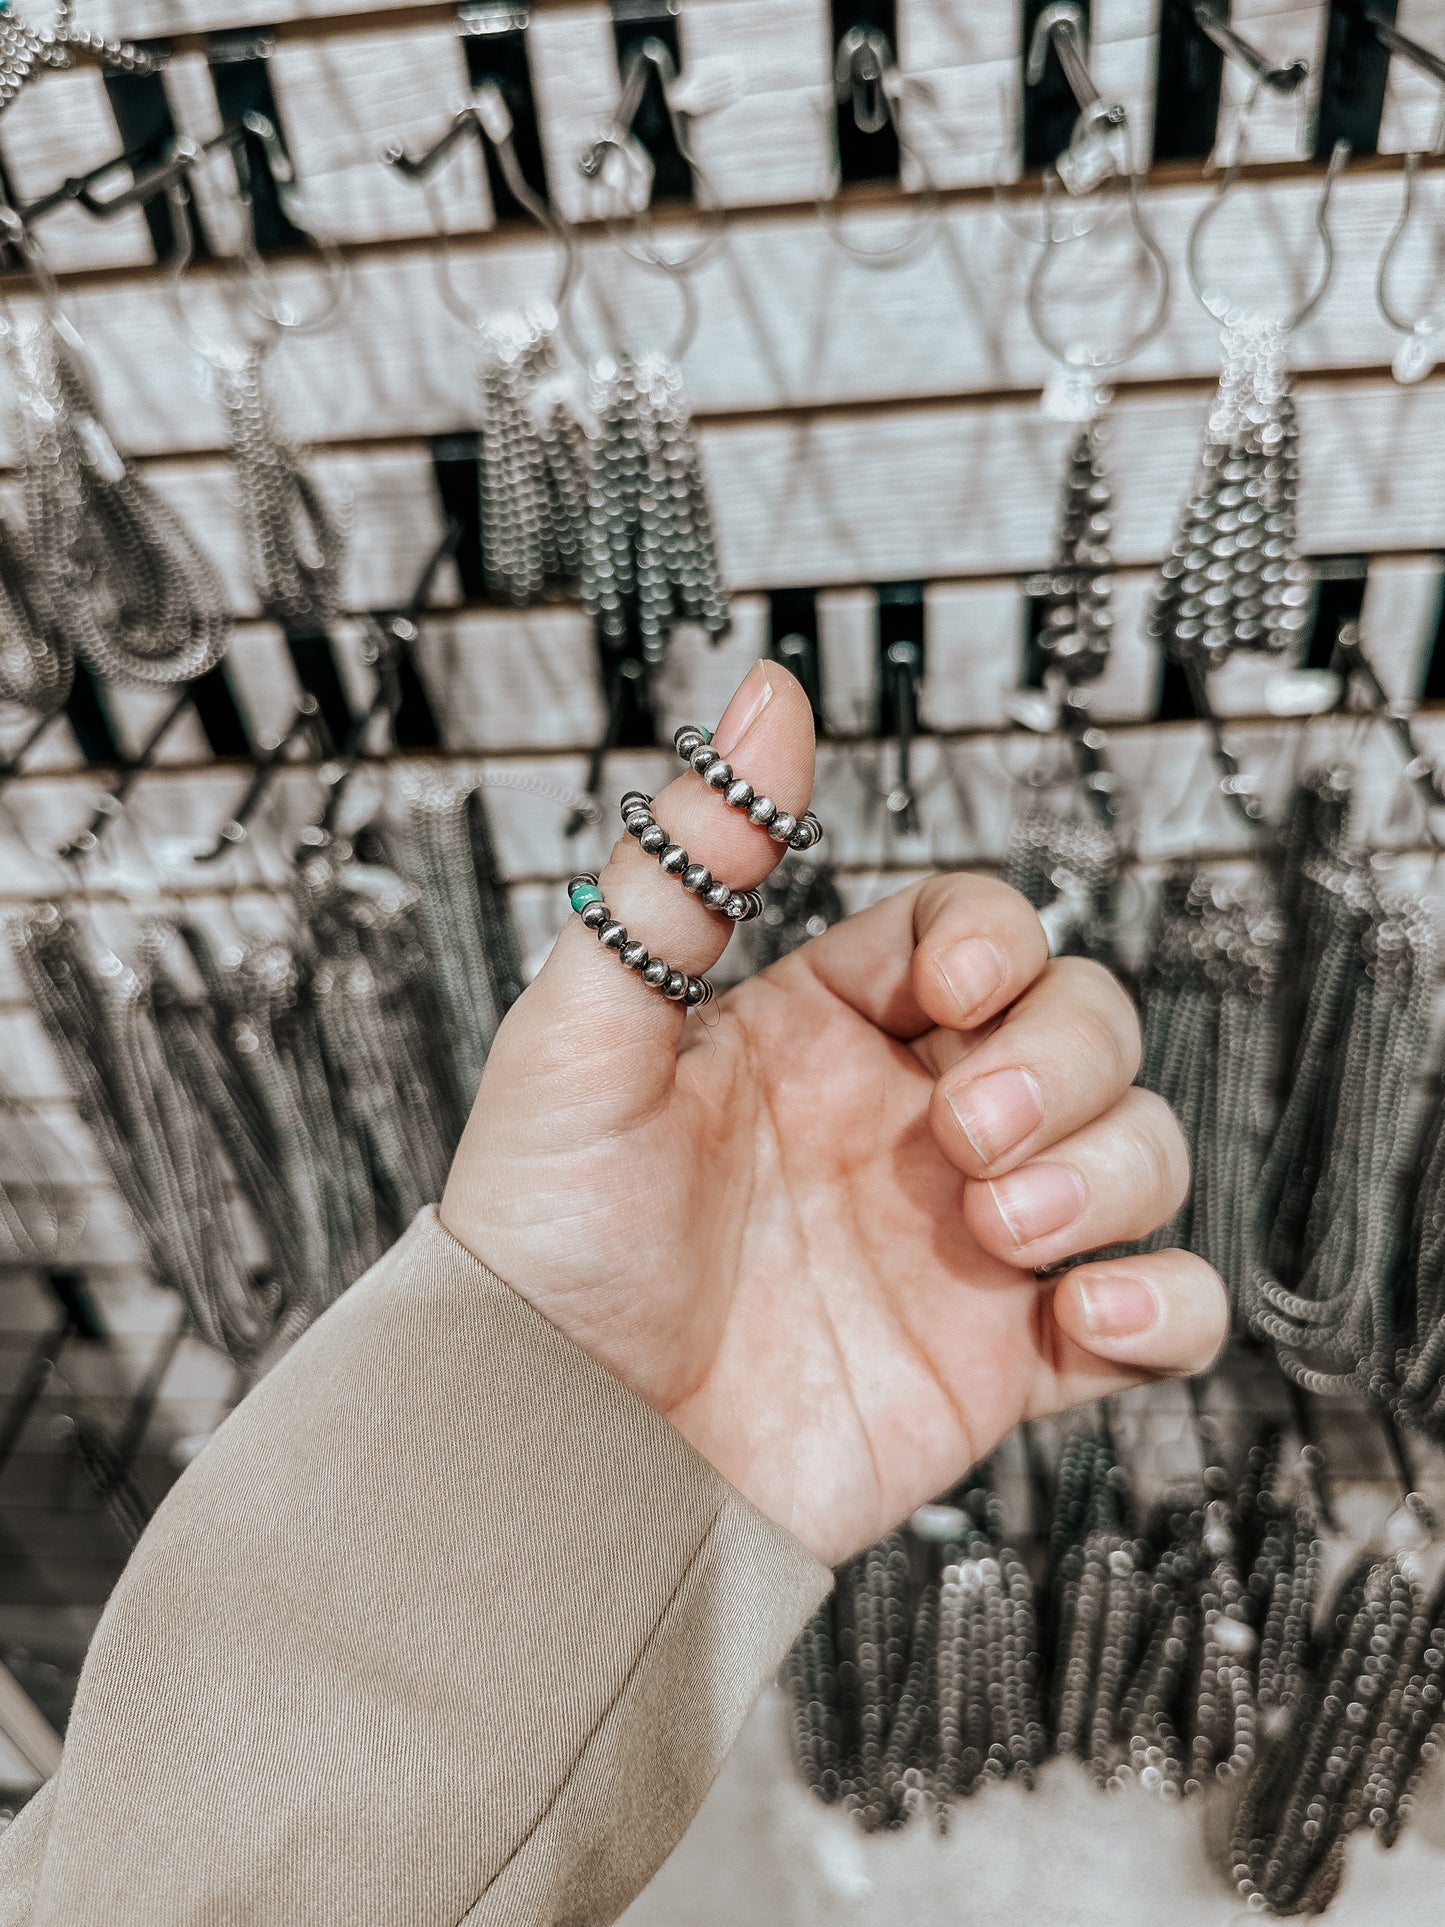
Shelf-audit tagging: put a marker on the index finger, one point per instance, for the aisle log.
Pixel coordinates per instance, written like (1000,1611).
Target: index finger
(951,951)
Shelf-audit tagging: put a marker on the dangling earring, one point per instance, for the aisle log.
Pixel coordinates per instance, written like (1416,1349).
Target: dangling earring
(1234,578)
(532,439)
(296,541)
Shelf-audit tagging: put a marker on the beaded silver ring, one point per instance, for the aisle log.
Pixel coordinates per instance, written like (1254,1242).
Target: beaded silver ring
(694,746)
(585,897)
(741,906)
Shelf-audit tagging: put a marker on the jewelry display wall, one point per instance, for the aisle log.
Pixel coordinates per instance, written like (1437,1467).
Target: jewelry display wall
(866,428)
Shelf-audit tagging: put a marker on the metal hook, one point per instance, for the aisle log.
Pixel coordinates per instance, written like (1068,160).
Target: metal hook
(1215,303)
(1098,148)
(1419,768)
(306,720)
(393,637)
(1216,27)
(904,661)
(488,115)
(1415,356)
(278,316)
(132,770)
(866,73)
(1074,355)
(620,140)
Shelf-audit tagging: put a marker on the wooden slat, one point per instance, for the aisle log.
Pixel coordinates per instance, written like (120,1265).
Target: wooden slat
(1412,99)
(784,319)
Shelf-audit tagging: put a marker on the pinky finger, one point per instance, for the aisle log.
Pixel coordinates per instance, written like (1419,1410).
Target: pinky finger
(1104,1327)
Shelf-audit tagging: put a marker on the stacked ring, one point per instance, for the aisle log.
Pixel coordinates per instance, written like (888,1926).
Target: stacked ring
(694,745)
(585,896)
(739,905)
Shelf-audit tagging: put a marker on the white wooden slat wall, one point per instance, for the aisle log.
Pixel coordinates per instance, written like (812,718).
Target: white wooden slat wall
(859,426)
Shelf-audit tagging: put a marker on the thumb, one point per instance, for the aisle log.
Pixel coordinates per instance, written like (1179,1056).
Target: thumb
(605,1041)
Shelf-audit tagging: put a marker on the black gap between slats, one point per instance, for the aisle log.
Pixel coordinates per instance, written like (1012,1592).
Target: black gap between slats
(416,725)
(88,712)
(1035,660)
(863,156)
(1049,110)
(1176,698)
(1188,78)
(455,467)
(1432,682)
(1339,597)
(632,723)
(319,674)
(652,126)
(147,130)
(793,641)
(1352,89)
(900,619)
(10,258)
(494,42)
(71,1291)
(241,74)
(219,714)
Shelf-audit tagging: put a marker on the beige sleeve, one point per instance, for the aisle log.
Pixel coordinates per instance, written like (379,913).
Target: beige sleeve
(444,1628)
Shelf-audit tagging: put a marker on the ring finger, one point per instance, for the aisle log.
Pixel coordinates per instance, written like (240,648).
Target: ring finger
(1115,1180)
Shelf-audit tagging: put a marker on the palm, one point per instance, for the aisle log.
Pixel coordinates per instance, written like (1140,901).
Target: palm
(798,1295)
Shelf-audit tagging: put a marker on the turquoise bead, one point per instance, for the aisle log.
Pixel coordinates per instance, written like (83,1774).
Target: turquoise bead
(706,734)
(584,894)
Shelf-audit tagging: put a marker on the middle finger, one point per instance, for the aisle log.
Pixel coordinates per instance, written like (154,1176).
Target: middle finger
(1059,1057)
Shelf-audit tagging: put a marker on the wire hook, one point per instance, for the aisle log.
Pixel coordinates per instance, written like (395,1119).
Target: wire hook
(620,140)
(488,114)
(866,74)
(1212,300)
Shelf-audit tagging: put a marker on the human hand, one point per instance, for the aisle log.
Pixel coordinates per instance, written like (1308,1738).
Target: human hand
(804,1225)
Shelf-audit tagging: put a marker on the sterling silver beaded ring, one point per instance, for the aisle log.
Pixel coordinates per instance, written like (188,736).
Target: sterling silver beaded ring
(694,745)
(585,896)
(741,906)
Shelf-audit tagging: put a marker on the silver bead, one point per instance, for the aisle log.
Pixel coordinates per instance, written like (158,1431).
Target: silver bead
(716,895)
(675,985)
(633,955)
(736,906)
(717,776)
(699,991)
(654,839)
(782,826)
(637,822)
(703,759)
(612,936)
(634,800)
(577,882)
(739,793)
(687,739)
(696,878)
(655,972)
(762,810)
(595,915)
(673,859)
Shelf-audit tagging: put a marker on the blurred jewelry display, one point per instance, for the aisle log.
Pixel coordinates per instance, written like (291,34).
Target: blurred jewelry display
(24,48)
(295,541)
(533,465)
(649,558)
(158,1144)
(141,603)
(36,662)
(800,901)
(1078,589)
(445,843)
(1207,997)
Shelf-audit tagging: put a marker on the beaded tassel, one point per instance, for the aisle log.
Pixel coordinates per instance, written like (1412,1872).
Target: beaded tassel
(295,541)
(1233,578)
(1079,588)
(532,469)
(649,560)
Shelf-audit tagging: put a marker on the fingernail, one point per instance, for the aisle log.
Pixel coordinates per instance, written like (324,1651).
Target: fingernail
(972,970)
(1038,1200)
(1116,1305)
(997,1112)
(750,699)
